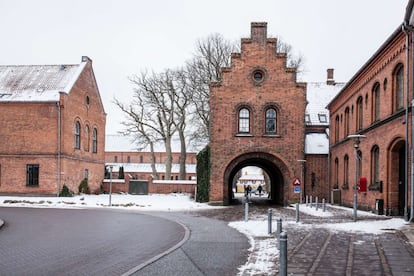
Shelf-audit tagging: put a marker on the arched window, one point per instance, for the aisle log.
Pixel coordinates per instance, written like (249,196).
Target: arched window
(95,140)
(346,123)
(346,171)
(399,87)
(375,165)
(271,121)
(336,128)
(77,135)
(336,172)
(375,102)
(359,114)
(244,120)
(86,146)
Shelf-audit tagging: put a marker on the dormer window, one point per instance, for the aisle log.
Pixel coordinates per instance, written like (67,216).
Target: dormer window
(322,118)
(307,118)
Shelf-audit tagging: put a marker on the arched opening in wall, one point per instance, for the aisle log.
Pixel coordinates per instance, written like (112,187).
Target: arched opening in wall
(246,170)
(396,185)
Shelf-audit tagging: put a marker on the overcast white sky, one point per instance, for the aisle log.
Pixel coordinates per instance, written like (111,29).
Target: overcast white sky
(124,37)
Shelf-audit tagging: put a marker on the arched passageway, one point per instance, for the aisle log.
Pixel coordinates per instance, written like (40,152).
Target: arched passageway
(273,167)
(397,190)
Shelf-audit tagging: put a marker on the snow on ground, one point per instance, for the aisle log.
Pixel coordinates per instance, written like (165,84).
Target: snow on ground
(154,202)
(263,250)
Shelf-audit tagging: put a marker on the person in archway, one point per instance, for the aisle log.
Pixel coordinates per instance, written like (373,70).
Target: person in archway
(260,188)
(249,190)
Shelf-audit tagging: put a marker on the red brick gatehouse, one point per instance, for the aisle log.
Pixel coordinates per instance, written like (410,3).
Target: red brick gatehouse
(52,128)
(258,119)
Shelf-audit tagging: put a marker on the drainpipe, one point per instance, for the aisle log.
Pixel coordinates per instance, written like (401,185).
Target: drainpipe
(59,148)
(407,29)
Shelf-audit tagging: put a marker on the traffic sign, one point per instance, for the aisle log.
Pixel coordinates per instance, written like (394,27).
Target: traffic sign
(296,182)
(296,189)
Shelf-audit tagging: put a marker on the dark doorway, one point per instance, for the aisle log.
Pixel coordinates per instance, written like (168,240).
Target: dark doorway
(138,187)
(401,180)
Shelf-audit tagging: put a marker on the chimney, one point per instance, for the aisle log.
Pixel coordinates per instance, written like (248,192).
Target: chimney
(259,32)
(330,77)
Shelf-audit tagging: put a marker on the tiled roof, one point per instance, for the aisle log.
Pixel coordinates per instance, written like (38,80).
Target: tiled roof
(36,83)
(318,95)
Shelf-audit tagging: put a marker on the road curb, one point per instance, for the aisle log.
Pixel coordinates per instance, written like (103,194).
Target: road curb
(408,231)
(159,256)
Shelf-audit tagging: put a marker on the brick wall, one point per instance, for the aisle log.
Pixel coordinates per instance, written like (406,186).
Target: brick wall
(29,134)
(388,133)
(238,88)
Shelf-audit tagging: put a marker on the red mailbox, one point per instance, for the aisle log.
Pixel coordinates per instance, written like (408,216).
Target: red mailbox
(362,185)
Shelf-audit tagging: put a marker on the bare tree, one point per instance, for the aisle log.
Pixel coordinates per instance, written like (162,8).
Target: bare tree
(211,54)
(293,60)
(182,102)
(152,112)
(138,125)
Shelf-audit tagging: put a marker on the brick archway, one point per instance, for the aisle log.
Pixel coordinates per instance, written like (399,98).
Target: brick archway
(273,166)
(396,193)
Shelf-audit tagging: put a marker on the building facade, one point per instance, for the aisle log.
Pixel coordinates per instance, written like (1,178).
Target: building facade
(257,119)
(52,128)
(261,116)
(122,151)
(374,104)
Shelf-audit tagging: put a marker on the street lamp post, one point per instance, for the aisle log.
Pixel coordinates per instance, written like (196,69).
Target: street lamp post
(302,163)
(110,184)
(357,140)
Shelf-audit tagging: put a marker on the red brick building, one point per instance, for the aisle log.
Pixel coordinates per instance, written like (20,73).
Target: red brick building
(52,128)
(258,119)
(122,151)
(374,103)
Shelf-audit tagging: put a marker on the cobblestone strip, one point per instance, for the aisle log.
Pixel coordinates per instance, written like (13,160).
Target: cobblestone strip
(349,262)
(383,259)
(298,246)
(320,255)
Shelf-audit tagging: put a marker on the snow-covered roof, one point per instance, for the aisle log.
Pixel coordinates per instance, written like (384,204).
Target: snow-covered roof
(252,177)
(316,143)
(146,167)
(318,95)
(122,143)
(37,83)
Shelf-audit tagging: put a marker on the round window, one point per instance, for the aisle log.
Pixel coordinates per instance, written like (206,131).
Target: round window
(258,76)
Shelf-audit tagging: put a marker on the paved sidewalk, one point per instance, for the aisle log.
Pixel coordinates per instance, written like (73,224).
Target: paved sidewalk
(313,250)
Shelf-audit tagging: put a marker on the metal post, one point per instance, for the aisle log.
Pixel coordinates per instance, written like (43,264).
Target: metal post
(323,205)
(307,201)
(356,138)
(317,202)
(269,221)
(110,185)
(311,201)
(283,254)
(355,185)
(302,183)
(297,212)
(278,229)
(246,211)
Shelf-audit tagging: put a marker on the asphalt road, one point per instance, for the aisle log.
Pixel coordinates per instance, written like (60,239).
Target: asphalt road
(81,241)
(213,248)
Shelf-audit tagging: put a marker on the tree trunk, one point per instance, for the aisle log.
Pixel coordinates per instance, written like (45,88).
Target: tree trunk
(183,155)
